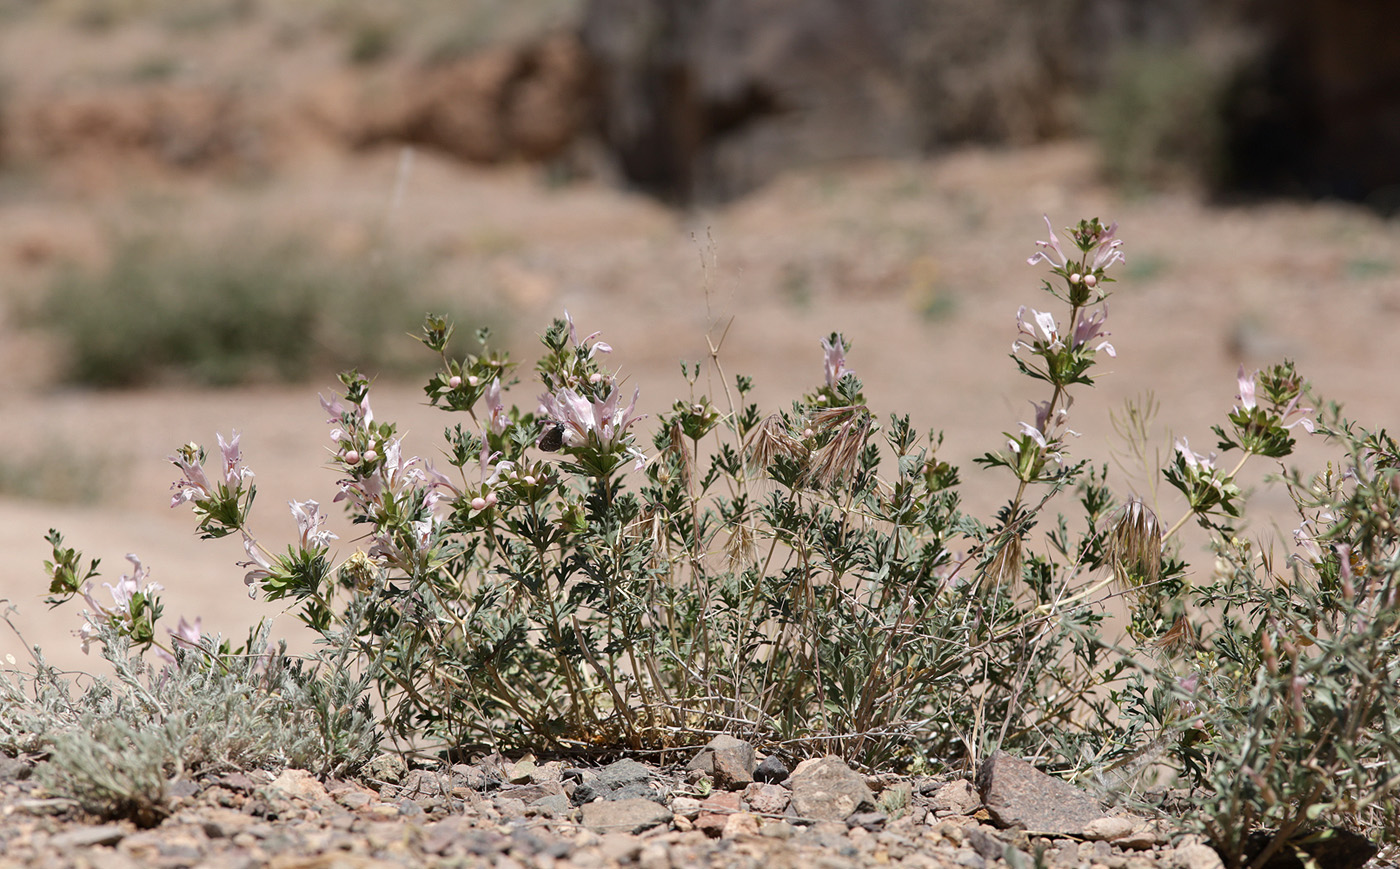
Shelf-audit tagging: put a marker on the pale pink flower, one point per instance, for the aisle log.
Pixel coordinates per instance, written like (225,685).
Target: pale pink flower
(1197,462)
(262,568)
(598,346)
(309,521)
(1246,393)
(497,409)
(1304,537)
(233,474)
(835,361)
(1107,249)
(1059,260)
(1044,330)
(193,485)
(127,587)
(1089,327)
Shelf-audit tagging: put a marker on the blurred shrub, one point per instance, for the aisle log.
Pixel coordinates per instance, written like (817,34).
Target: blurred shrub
(1159,116)
(228,312)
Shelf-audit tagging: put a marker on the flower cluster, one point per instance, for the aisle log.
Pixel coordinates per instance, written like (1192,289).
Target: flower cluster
(134,609)
(1099,250)
(586,401)
(222,506)
(1264,429)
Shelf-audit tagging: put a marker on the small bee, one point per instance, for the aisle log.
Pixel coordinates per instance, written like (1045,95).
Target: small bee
(553,436)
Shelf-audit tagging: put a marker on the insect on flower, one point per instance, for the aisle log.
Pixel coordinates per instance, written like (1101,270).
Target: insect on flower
(553,437)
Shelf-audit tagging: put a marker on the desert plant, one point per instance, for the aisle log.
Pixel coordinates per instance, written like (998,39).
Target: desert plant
(228,313)
(114,744)
(795,577)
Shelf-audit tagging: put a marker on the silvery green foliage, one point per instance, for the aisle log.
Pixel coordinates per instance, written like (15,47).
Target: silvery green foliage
(115,743)
(806,577)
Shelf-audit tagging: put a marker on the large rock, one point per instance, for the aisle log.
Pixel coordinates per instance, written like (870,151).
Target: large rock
(826,789)
(726,759)
(623,816)
(704,101)
(506,102)
(1017,794)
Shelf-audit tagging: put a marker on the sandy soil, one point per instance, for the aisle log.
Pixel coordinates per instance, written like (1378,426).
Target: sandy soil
(920,264)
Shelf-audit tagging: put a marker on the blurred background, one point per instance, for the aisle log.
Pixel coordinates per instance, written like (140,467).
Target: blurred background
(208,207)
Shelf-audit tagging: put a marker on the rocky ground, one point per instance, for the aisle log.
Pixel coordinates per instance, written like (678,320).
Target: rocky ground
(720,809)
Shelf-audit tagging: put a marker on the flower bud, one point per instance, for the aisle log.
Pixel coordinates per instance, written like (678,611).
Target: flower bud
(370,455)
(454,381)
(492,500)
(352,457)
(473,380)
(1076,278)
(478,503)
(595,377)
(1090,281)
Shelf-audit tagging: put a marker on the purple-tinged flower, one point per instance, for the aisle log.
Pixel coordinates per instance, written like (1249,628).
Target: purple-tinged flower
(1246,393)
(309,521)
(1034,434)
(598,346)
(1303,420)
(1307,541)
(194,484)
(1059,260)
(1197,462)
(1089,327)
(1043,332)
(1107,249)
(233,474)
(127,587)
(603,421)
(262,568)
(835,362)
(186,634)
(497,409)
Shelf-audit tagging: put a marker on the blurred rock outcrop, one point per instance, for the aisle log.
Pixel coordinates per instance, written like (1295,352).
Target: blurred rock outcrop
(705,100)
(525,102)
(1318,113)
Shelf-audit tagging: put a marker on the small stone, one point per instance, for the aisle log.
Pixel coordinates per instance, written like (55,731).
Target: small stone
(715,812)
(654,856)
(872,822)
(771,771)
(1195,856)
(955,797)
(86,837)
(686,807)
(767,799)
(522,771)
(387,768)
(969,858)
(730,761)
(1109,828)
(353,800)
(557,806)
(740,824)
(624,772)
(299,784)
(237,781)
(777,830)
(628,816)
